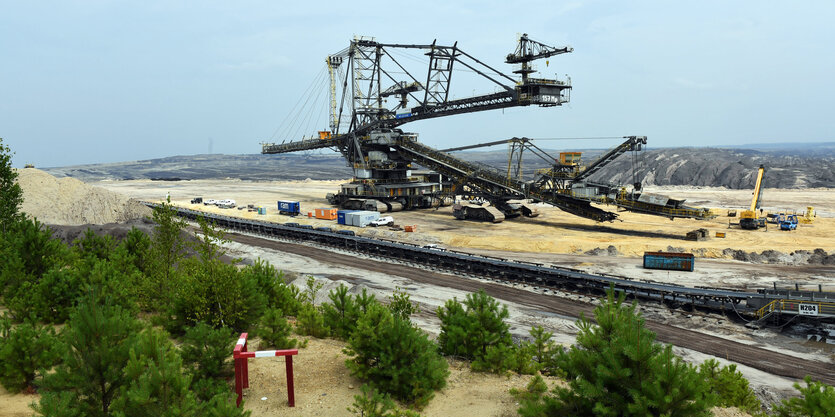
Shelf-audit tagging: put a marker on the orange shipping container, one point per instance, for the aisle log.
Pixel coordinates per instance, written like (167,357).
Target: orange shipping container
(410,228)
(326,213)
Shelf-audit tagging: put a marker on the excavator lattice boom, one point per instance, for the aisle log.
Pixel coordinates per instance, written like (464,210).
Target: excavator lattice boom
(383,156)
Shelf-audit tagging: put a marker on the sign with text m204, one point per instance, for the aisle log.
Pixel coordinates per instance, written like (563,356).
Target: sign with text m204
(808,309)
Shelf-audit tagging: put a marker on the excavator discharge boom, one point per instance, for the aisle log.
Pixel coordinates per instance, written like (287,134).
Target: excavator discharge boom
(381,155)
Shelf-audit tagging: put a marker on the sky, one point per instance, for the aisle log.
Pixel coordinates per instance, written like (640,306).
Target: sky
(106,81)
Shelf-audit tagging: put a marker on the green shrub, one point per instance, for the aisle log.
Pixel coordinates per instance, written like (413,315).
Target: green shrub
(206,351)
(274,331)
(271,282)
(728,387)
(217,294)
(816,400)
(311,322)
(341,313)
(156,384)
(137,244)
(531,398)
(401,305)
(364,300)
(93,245)
(372,403)
(26,349)
(545,351)
(617,369)
(91,376)
(11,195)
(56,294)
(476,330)
(311,287)
(395,357)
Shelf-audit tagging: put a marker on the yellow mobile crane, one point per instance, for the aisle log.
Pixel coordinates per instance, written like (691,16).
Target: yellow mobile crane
(749,219)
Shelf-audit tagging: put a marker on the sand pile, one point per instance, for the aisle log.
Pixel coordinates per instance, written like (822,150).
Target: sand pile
(68,201)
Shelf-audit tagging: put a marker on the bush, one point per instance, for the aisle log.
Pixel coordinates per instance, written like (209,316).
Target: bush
(476,330)
(271,282)
(545,351)
(28,253)
(311,322)
(206,354)
(617,369)
(372,403)
(400,304)
(156,383)
(531,398)
(98,340)
(816,400)
(217,294)
(395,357)
(11,195)
(274,331)
(341,313)
(728,388)
(25,350)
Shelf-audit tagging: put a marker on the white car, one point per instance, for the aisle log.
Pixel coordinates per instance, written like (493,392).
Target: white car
(209,202)
(382,221)
(226,203)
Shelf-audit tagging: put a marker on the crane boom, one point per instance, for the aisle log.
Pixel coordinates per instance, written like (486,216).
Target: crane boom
(382,155)
(758,189)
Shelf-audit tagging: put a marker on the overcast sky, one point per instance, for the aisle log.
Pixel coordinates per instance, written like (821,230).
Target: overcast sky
(106,81)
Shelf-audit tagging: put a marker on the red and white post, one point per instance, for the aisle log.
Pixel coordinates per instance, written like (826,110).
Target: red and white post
(240,355)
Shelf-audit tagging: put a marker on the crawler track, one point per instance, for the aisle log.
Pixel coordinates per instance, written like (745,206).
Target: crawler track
(765,360)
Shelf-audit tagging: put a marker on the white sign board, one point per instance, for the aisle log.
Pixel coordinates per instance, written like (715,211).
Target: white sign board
(808,309)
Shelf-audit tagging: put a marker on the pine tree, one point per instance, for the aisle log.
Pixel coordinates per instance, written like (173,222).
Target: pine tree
(728,387)
(311,322)
(617,369)
(156,384)
(24,350)
(11,195)
(395,357)
(274,331)
(205,353)
(476,330)
(372,403)
(98,340)
(341,313)
(816,400)
(401,305)
(168,248)
(544,350)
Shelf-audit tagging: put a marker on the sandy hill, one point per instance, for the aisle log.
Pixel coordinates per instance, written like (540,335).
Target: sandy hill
(68,201)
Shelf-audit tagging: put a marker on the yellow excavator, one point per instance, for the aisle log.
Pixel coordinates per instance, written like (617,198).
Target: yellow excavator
(749,219)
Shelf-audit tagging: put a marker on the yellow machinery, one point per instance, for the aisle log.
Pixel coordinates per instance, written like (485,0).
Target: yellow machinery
(807,217)
(749,219)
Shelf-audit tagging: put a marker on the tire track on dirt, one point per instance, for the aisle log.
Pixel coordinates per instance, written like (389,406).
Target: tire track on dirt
(765,360)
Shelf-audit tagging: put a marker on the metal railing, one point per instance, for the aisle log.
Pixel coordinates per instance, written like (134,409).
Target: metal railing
(783,306)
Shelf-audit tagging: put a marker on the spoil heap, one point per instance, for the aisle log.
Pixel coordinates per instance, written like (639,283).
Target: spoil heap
(68,201)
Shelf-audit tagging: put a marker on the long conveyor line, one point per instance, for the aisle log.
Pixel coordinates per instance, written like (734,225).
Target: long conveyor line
(534,274)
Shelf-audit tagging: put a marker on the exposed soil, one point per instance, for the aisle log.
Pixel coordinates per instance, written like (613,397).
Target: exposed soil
(772,362)
(68,201)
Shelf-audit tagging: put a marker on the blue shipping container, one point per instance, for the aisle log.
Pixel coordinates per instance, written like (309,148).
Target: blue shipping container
(669,261)
(289,207)
(340,215)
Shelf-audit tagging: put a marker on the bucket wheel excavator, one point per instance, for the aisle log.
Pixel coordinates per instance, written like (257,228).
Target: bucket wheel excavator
(365,129)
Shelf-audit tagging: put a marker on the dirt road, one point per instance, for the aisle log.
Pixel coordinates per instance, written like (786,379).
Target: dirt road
(765,360)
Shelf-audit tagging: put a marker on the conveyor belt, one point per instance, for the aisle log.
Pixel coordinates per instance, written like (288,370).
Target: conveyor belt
(539,275)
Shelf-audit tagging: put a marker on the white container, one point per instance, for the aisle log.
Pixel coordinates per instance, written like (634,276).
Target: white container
(361,218)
